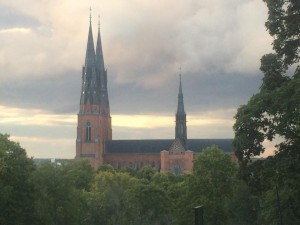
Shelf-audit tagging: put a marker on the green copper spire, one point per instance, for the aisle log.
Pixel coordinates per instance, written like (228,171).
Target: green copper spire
(89,78)
(99,52)
(101,71)
(180,129)
(180,106)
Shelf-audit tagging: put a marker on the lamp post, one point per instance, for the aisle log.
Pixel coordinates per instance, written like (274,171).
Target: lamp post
(199,215)
(279,206)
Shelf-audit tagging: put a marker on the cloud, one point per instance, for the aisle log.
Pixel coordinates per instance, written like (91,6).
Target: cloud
(20,30)
(38,147)
(34,117)
(217,43)
(211,37)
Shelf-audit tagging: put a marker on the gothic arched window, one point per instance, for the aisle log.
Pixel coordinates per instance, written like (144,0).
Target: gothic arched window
(88,132)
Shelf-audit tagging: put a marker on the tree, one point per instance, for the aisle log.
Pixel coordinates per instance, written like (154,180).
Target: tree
(244,206)
(108,202)
(283,24)
(106,167)
(272,67)
(267,115)
(211,185)
(151,203)
(80,173)
(273,114)
(270,114)
(16,198)
(58,191)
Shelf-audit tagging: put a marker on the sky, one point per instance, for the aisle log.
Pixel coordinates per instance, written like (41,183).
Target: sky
(217,44)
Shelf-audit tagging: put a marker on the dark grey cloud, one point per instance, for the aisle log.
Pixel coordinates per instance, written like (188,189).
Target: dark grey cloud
(201,93)
(52,132)
(60,93)
(57,93)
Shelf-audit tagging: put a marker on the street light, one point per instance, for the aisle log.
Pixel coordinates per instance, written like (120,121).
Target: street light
(199,215)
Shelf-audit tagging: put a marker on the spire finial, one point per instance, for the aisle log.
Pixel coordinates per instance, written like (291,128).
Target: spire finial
(90,14)
(180,87)
(98,21)
(180,73)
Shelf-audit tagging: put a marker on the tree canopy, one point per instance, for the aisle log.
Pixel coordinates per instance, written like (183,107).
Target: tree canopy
(283,24)
(273,115)
(274,112)
(16,198)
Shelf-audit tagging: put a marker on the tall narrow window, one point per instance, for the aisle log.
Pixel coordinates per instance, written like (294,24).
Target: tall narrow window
(88,132)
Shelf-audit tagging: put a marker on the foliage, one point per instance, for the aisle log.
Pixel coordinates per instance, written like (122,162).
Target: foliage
(72,193)
(211,184)
(244,206)
(283,24)
(16,199)
(273,115)
(58,193)
(269,114)
(108,199)
(152,204)
(80,173)
(106,167)
(272,67)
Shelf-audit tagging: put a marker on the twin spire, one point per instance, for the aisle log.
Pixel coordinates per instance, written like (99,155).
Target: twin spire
(94,74)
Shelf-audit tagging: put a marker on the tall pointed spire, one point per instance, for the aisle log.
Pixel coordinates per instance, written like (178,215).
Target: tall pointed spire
(180,106)
(90,50)
(101,71)
(99,52)
(89,84)
(180,129)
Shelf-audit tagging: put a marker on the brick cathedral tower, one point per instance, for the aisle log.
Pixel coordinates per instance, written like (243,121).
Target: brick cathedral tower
(94,121)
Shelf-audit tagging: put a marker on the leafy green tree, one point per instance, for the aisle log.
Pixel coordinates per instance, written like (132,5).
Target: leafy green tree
(152,204)
(106,167)
(267,115)
(59,194)
(80,173)
(283,24)
(273,114)
(244,206)
(272,67)
(16,198)
(146,173)
(108,200)
(211,185)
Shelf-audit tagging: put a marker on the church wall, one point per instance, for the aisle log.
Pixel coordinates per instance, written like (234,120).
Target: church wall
(100,126)
(178,163)
(133,160)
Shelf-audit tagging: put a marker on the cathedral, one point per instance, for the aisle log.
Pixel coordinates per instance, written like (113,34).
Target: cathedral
(94,131)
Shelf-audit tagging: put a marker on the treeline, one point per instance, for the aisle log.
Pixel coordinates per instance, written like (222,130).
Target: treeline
(73,193)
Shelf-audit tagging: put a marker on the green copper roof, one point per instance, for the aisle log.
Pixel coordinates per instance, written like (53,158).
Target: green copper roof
(94,75)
